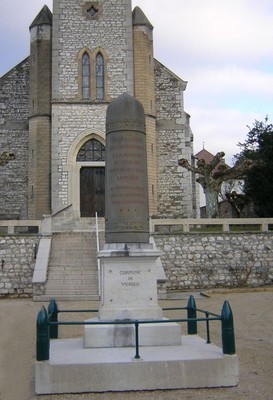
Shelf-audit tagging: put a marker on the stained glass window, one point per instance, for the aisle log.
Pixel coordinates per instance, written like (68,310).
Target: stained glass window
(99,77)
(92,150)
(85,76)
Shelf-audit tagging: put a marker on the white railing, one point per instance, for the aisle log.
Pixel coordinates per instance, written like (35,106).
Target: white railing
(206,224)
(12,227)
(182,224)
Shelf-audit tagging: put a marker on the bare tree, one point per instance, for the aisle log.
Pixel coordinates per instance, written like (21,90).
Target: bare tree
(211,176)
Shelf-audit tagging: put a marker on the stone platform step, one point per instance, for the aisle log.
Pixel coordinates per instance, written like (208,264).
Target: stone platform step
(72,290)
(74,276)
(193,364)
(66,297)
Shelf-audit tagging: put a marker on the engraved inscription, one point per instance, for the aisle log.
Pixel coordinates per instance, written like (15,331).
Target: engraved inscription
(126,170)
(130,278)
(125,125)
(126,226)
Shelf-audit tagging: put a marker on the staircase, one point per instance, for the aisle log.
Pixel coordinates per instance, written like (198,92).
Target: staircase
(73,271)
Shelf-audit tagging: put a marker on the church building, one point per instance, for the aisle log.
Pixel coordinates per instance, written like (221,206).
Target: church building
(53,106)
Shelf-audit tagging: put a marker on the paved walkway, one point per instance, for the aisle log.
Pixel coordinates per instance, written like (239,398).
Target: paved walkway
(253,318)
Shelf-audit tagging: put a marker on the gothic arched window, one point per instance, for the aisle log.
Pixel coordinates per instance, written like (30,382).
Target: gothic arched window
(92,150)
(85,76)
(99,77)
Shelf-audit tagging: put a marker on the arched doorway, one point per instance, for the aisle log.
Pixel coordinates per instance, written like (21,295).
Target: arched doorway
(92,178)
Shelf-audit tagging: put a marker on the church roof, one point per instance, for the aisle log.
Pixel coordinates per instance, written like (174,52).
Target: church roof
(204,155)
(43,18)
(208,157)
(139,18)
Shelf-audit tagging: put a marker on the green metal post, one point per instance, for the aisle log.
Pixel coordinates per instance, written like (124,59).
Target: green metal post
(228,337)
(42,338)
(191,311)
(207,326)
(53,317)
(137,356)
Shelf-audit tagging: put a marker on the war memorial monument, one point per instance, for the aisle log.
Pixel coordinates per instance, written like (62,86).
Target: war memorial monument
(104,359)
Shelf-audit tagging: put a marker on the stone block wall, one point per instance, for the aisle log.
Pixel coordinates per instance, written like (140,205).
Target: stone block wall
(87,119)
(17,261)
(39,122)
(14,138)
(74,29)
(145,93)
(204,261)
(176,188)
(191,261)
(39,167)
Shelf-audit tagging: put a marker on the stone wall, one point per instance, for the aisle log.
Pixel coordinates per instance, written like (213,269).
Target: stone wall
(74,29)
(17,261)
(14,138)
(191,261)
(176,188)
(72,125)
(75,120)
(39,182)
(205,261)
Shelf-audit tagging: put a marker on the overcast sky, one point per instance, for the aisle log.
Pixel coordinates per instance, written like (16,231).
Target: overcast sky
(222,48)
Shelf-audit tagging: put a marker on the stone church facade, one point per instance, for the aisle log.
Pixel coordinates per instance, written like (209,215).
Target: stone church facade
(53,108)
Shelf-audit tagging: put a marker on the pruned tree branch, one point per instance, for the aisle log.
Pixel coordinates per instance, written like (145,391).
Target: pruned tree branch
(211,176)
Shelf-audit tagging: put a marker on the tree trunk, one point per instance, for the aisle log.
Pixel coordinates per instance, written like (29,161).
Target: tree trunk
(212,210)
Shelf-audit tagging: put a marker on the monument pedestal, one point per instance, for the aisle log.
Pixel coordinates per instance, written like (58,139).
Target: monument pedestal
(129,289)
(194,364)
(164,334)
(129,292)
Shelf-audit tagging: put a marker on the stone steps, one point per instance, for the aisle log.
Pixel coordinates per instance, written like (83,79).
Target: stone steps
(73,271)
(60,269)
(77,284)
(76,291)
(70,297)
(73,275)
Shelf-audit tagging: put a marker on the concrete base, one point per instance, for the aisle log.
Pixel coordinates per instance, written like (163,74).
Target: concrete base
(194,364)
(166,334)
(129,282)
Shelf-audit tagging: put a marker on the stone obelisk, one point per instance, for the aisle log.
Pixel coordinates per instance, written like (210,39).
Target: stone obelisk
(128,260)
(126,186)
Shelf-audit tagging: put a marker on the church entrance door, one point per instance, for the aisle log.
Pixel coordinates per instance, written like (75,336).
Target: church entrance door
(92,189)
(91,159)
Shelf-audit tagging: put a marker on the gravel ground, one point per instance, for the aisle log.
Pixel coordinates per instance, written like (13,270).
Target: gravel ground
(253,319)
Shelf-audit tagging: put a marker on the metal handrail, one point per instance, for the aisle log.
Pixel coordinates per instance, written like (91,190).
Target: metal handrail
(192,320)
(47,326)
(136,322)
(98,260)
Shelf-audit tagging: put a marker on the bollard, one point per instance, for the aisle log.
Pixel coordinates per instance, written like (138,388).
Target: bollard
(53,317)
(42,338)
(228,337)
(191,312)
